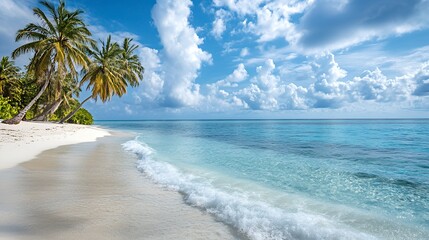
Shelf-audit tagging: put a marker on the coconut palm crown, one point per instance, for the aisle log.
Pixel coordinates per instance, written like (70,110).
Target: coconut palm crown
(105,75)
(134,69)
(57,41)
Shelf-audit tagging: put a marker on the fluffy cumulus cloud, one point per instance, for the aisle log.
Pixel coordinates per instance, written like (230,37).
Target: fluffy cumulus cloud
(422,81)
(182,56)
(267,19)
(266,91)
(330,88)
(219,23)
(238,75)
(327,91)
(273,20)
(151,87)
(219,96)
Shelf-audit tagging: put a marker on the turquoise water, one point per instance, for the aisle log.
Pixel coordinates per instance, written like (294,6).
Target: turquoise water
(295,179)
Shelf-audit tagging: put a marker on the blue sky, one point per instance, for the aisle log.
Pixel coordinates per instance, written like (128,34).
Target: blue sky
(261,58)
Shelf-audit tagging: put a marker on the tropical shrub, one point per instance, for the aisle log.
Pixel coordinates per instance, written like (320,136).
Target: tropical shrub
(6,109)
(82,116)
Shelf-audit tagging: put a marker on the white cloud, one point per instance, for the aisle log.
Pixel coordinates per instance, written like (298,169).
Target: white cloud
(221,17)
(218,98)
(238,75)
(375,86)
(337,24)
(264,90)
(152,84)
(422,81)
(244,52)
(331,89)
(14,15)
(182,57)
(325,67)
(392,63)
(327,91)
(242,7)
(270,92)
(273,21)
(310,26)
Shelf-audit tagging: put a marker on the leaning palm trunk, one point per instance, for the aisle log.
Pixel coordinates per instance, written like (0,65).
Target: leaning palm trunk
(50,109)
(74,111)
(18,118)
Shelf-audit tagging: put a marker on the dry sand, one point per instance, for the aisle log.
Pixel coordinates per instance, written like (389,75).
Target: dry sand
(93,191)
(22,142)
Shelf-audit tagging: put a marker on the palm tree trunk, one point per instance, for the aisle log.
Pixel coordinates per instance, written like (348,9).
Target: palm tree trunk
(18,118)
(74,111)
(50,109)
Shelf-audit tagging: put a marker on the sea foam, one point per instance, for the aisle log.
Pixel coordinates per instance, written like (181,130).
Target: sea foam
(255,219)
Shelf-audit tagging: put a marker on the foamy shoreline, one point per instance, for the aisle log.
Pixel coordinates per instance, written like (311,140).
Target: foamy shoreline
(23,142)
(94,191)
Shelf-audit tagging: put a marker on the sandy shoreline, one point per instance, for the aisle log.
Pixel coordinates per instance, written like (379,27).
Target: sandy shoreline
(23,142)
(93,191)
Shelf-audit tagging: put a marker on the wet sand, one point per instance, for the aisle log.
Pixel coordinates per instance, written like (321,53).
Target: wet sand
(93,191)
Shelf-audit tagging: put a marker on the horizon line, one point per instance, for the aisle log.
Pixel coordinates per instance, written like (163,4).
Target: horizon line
(258,119)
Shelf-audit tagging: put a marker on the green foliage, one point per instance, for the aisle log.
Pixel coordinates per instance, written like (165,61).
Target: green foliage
(82,116)
(30,114)
(24,91)
(60,33)
(6,109)
(8,73)
(61,44)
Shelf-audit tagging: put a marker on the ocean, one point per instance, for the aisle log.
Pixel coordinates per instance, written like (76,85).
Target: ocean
(294,179)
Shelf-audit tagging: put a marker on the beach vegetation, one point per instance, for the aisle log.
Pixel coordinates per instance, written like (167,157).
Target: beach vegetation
(8,73)
(6,109)
(64,59)
(58,45)
(113,68)
(82,116)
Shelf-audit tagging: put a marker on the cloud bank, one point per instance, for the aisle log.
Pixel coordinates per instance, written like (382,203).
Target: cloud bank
(331,88)
(328,25)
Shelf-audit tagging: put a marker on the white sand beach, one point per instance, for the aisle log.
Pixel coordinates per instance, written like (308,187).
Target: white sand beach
(23,142)
(87,190)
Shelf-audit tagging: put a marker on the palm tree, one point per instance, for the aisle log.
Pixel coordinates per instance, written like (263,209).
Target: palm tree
(8,72)
(111,71)
(58,43)
(132,65)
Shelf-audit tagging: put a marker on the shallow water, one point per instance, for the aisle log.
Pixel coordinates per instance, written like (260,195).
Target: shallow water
(82,191)
(295,179)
